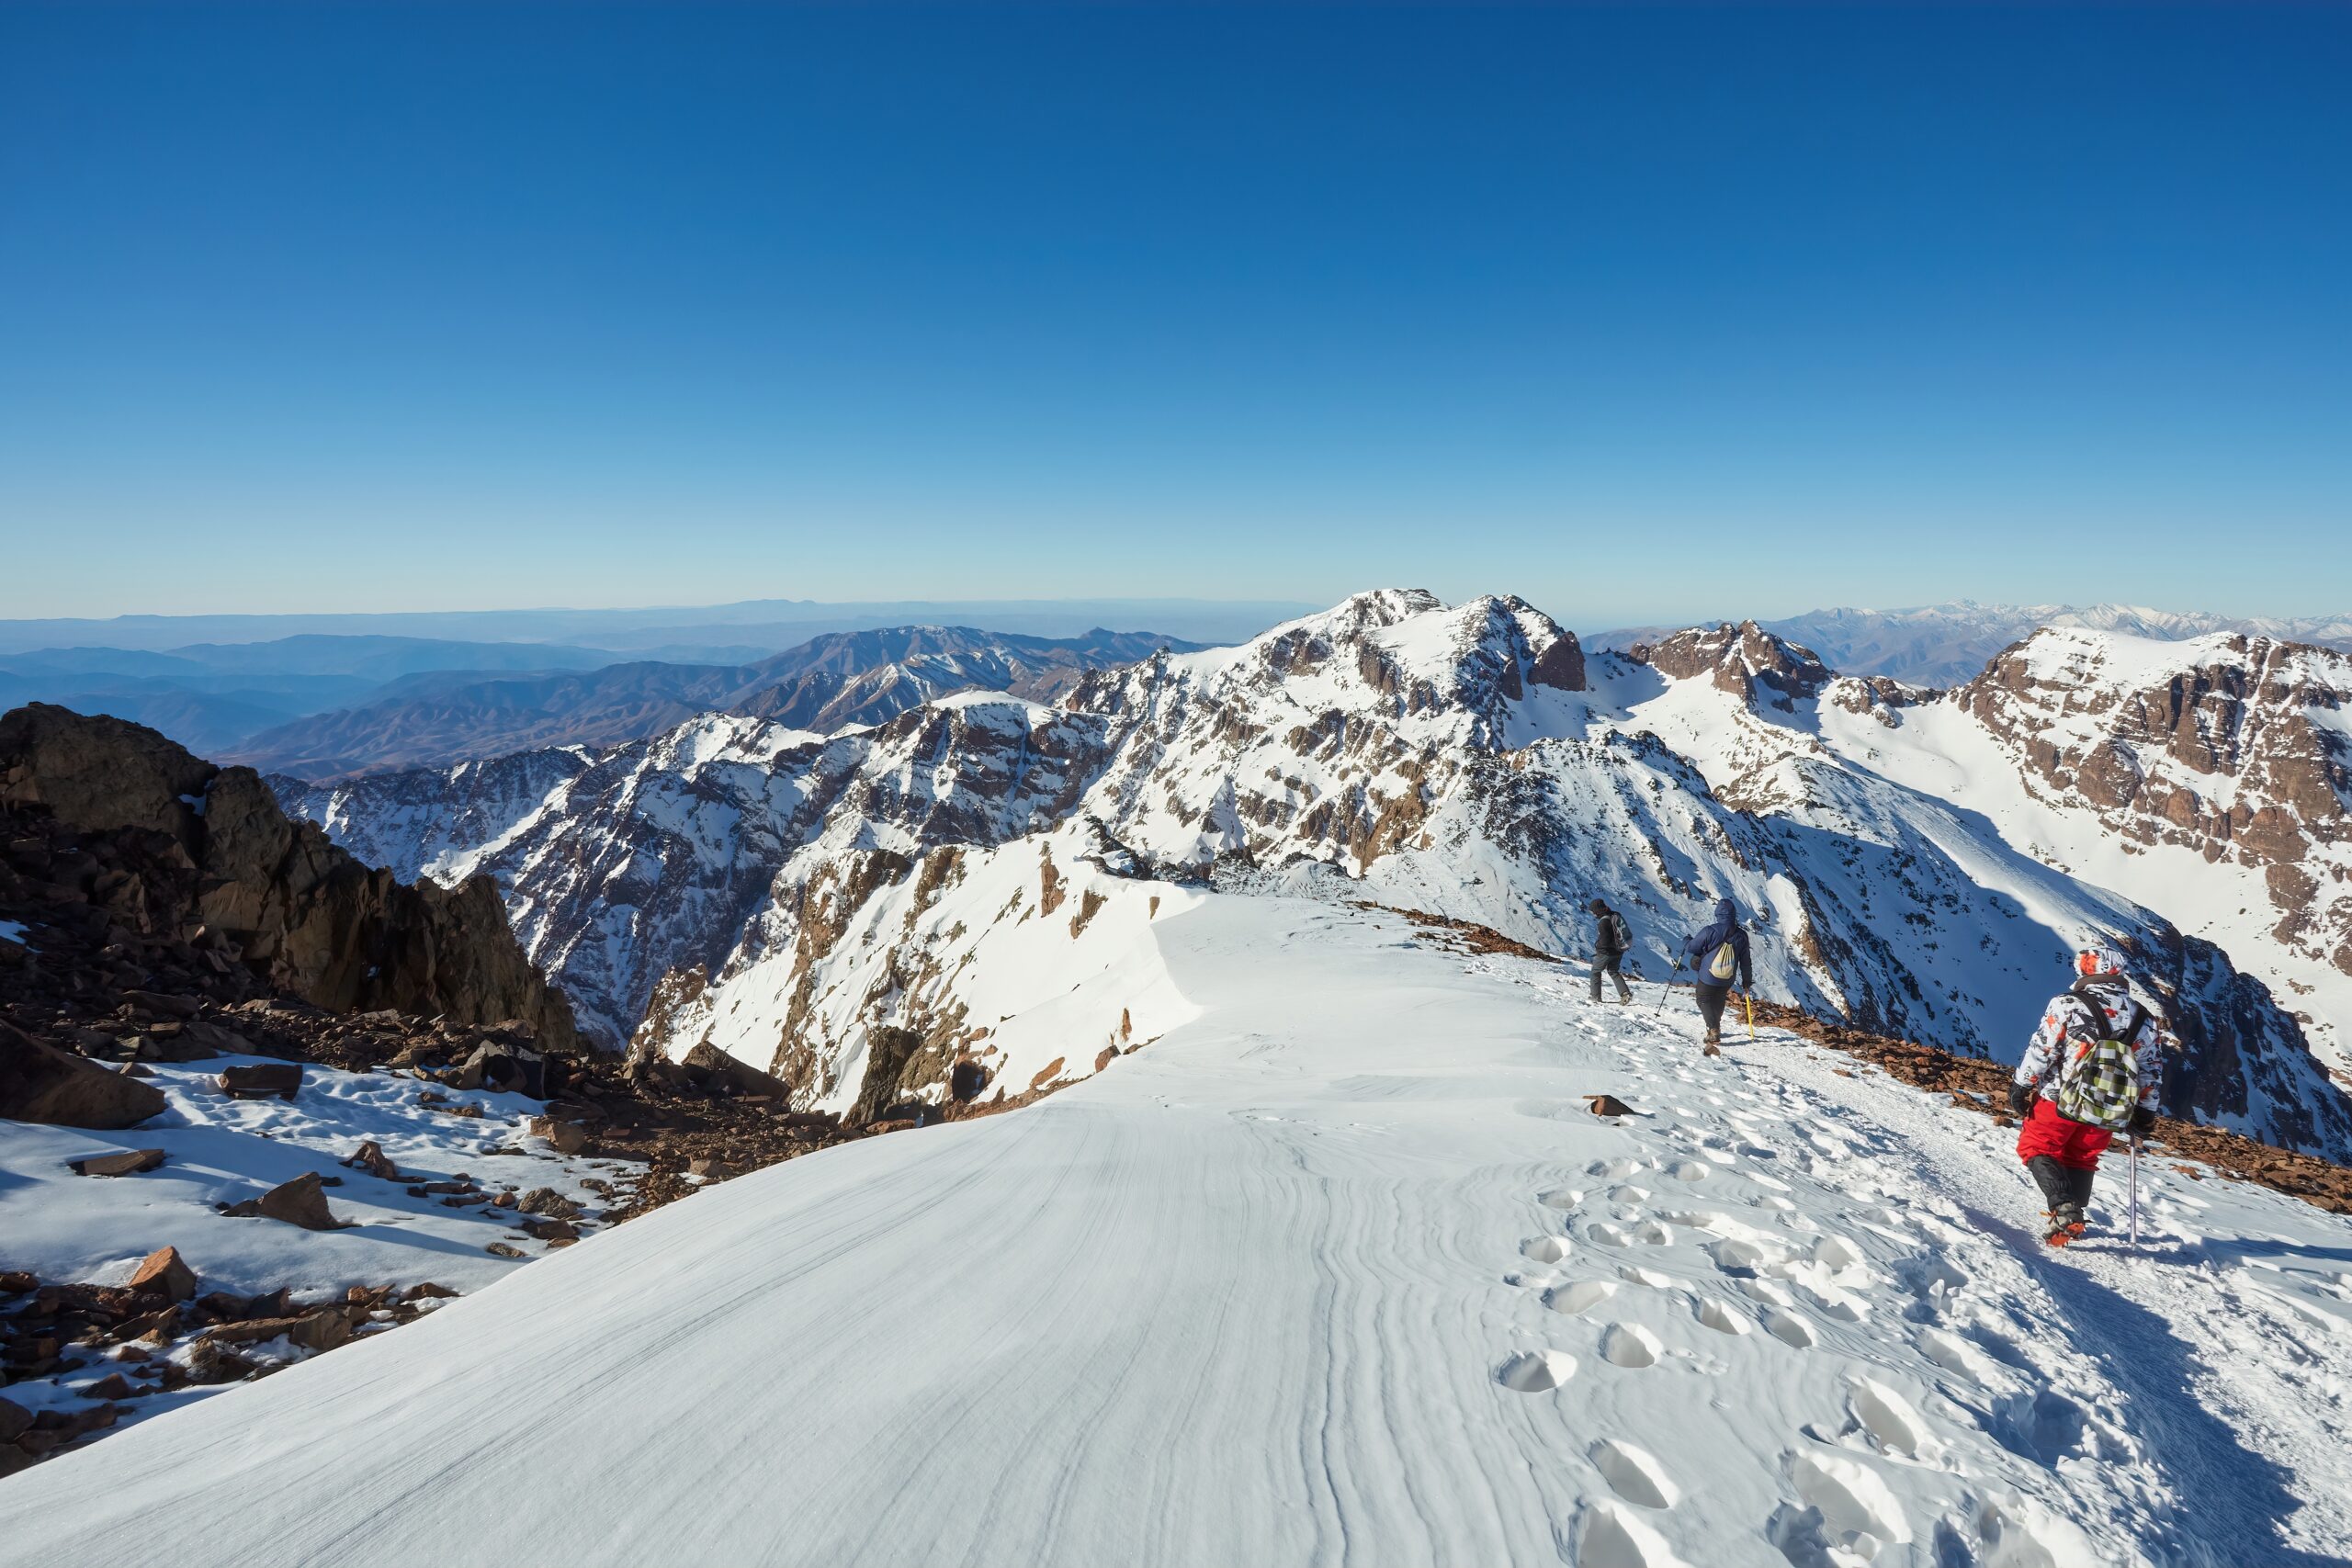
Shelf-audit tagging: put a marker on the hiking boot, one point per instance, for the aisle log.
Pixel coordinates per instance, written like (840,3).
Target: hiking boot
(2067,1222)
(1713,1046)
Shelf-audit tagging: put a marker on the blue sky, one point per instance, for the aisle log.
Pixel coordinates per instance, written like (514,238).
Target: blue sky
(1642,314)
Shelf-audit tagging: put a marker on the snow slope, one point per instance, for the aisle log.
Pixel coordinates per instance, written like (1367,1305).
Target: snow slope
(1339,1270)
(217,1150)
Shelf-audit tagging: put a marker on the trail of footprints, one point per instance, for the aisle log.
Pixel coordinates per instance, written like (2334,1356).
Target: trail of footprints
(1770,1269)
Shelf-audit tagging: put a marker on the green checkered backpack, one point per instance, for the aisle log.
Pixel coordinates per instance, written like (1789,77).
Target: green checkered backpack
(2098,1081)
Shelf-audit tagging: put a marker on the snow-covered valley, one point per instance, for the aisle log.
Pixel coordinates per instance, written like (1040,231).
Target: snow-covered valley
(1340,1268)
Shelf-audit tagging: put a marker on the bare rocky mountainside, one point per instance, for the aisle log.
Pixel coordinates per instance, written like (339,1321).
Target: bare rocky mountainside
(1939,645)
(843,678)
(841,909)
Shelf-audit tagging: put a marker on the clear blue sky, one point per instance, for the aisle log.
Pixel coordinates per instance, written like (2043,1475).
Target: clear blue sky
(1641,315)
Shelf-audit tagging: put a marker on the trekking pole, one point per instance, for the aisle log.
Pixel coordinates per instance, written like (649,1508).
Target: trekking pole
(1666,986)
(1748,1002)
(2135,1193)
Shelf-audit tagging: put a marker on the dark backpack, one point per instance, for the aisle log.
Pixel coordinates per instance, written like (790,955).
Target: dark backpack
(1614,937)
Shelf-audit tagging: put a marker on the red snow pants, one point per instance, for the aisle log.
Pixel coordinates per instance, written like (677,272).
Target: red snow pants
(2069,1142)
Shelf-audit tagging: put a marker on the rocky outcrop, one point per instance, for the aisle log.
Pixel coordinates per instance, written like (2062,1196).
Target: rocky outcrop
(1744,660)
(2236,748)
(276,895)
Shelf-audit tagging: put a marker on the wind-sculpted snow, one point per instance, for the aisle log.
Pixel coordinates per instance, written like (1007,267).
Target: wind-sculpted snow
(1340,1270)
(779,896)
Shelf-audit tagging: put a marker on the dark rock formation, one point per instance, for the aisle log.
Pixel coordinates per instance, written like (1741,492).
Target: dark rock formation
(295,909)
(40,1083)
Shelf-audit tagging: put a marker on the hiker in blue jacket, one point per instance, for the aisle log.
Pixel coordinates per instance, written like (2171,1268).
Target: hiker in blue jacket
(1717,953)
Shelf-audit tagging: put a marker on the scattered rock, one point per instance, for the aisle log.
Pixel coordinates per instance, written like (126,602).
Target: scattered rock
(322,1330)
(549,1201)
(14,1420)
(130,1162)
(370,1157)
(301,1202)
(569,1138)
(260,1081)
(112,1386)
(162,1273)
(1608,1105)
(428,1291)
(504,1249)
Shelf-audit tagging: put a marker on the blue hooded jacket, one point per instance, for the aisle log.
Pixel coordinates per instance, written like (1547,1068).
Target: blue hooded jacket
(1723,927)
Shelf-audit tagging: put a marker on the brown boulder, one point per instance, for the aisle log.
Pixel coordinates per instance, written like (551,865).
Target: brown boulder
(15,1421)
(169,1006)
(163,1274)
(312,1331)
(1609,1105)
(40,1083)
(370,1157)
(301,1202)
(261,1079)
(741,1076)
(129,1163)
(569,1138)
(114,1386)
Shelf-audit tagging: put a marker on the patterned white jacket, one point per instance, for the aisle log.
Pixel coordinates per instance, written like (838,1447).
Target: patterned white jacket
(2098,1009)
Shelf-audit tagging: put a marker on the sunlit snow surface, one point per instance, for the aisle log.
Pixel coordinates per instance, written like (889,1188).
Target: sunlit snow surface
(1339,1270)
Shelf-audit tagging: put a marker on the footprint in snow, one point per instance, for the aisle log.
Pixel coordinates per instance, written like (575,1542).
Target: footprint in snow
(1611,1536)
(1722,1319)
(1544,1248)
(1634,1474)
(1536,1372)
(1582,1296)
(1630,1346)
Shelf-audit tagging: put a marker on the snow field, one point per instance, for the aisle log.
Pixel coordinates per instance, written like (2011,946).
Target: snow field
(1340,1269)
(95,1230)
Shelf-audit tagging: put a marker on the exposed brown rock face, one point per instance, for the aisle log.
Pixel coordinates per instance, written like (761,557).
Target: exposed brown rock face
(1745,661)
(293,907)
(2240,752)
(40,1083)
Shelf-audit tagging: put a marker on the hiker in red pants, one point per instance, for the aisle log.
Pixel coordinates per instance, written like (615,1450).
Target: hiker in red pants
(2092,1071)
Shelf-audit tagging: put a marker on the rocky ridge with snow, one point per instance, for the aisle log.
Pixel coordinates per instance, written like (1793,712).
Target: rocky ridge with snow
(796,898)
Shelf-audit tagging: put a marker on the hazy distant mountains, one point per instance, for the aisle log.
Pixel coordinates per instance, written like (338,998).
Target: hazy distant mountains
(711,633)
(1945,645)
(864,677)
(433,684)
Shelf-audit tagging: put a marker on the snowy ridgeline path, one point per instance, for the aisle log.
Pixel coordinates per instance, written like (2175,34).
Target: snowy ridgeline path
(1341,1271)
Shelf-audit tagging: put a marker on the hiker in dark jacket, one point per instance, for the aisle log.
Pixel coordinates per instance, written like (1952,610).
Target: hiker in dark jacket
(1717,953)
(1611,941)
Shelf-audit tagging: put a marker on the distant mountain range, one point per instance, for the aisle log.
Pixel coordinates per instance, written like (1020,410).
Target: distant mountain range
(845,678)
(1944,645)
(708,633)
